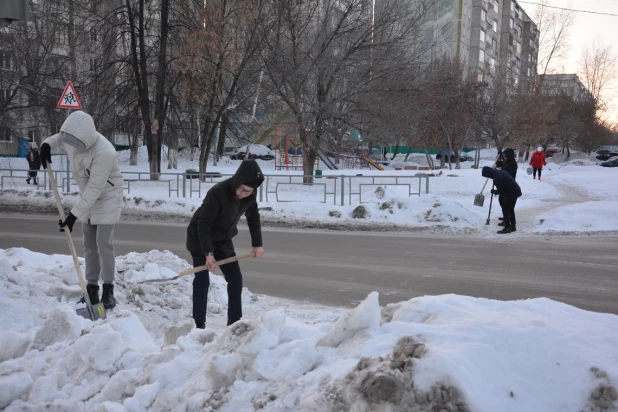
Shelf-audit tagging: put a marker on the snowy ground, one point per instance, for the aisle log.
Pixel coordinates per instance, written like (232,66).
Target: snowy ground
(433,353)
(573,197)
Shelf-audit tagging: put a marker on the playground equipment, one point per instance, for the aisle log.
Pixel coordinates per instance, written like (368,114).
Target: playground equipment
(372,163)
(326,160)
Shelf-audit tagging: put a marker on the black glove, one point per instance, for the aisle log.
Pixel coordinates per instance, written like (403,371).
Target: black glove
(69,222)
(494,192)
(45,154)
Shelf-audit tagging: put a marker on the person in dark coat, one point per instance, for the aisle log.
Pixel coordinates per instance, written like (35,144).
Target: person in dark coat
(210,233)
(508,188)
(34,163)
(509,164)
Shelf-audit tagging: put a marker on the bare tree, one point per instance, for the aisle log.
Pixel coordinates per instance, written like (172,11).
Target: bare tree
(323,56)
(553,25)
(598,66)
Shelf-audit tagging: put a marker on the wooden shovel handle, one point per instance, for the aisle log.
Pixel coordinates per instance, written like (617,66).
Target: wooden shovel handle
(67,232)
(487,180)
(219,263)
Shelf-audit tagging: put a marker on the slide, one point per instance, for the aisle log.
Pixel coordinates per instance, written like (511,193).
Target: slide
(326,160)
(372,163)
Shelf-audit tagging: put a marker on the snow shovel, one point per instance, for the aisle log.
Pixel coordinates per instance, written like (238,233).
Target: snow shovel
(92,312)
(203,267)
(479,199)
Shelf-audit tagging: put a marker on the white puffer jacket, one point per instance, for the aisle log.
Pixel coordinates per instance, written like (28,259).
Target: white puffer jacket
(95,169)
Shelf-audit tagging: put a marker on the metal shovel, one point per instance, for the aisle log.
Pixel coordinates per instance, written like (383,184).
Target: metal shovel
(203,267)
(480,198)
(92,312)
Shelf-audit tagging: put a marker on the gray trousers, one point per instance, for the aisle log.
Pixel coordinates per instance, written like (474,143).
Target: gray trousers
(99,253)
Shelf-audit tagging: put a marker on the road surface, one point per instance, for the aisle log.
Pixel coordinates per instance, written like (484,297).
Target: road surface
(341,268)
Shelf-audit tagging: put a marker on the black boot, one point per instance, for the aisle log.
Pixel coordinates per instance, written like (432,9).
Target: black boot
(93,293)
(108,299)
(501,223)
(28,180)
(507,229)
(500,218)
(35,182)
(513,228)
(200,325)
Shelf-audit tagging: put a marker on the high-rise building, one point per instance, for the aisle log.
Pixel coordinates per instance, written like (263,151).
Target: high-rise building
(493,38)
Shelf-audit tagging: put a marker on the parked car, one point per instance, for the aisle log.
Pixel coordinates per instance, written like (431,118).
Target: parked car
(230,152)
(613,162)
(551,151)
(605,154)
(462,157)
(256,151)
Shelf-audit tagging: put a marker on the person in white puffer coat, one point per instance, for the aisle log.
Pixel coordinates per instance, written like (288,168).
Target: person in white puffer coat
(94,166)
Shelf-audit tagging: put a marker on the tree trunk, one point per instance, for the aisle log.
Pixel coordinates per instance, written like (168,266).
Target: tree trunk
(395,152)
(408,153)
(225,119)
(133,144)
(203,147)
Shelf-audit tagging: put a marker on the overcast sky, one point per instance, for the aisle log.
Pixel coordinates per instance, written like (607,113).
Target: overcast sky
(586,28)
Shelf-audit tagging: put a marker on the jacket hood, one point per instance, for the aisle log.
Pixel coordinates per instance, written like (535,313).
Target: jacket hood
(249,174)
(488,172)
(509,154)
(81,125)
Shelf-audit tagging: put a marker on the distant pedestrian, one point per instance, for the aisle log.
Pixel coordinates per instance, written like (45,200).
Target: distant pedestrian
(34,163)
(537,161)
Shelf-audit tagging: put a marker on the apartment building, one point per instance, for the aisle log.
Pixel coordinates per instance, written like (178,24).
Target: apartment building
(493,37)
(564,84)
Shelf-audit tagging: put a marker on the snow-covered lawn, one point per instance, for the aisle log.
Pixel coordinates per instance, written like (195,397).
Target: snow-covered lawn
(431,353)
(573,197)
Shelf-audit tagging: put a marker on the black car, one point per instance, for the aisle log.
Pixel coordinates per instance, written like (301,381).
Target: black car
(610,163)
(605,154)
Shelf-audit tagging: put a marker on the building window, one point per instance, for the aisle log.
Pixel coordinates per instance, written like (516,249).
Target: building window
(511,23)
(5,60)
(528,71)
(94,36)
(518,47)
(519,31)
(5,95)
(495,26)
(512,5)
(62,35)
(481,56)
(5,134)
(483,15)
(482,37)
(492,64)
(94,64)
(494,45)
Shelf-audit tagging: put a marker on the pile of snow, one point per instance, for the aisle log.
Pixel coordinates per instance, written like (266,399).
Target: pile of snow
(447,352)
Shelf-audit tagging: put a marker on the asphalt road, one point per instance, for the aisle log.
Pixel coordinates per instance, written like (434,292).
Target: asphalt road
(341,268)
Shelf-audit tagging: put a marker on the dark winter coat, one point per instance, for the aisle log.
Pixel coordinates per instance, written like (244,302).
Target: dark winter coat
(505,184)
(34,160)
(509,164)
(217,218)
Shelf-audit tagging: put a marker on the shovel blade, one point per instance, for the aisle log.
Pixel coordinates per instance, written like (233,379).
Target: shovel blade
(479,200)
(98,312)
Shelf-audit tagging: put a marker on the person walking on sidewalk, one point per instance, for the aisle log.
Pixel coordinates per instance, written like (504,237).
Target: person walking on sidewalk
(210,233)
(537,161)
(507,187)
(34,164)
(94,167)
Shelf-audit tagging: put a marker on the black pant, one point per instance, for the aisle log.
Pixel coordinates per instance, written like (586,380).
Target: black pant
(508,211)
(536,169)
(201,282)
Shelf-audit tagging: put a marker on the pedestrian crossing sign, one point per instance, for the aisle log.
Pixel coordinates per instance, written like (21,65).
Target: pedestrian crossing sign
(69,99)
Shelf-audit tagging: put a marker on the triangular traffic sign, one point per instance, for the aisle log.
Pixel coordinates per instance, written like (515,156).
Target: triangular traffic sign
(69,99)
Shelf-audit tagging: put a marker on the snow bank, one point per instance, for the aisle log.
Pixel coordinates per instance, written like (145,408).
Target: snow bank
(447,352)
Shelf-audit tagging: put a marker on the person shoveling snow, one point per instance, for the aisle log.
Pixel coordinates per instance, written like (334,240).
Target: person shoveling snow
(94,166)
(210,233)
(508,188)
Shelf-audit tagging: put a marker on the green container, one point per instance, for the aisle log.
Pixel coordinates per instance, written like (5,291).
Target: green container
(318,174)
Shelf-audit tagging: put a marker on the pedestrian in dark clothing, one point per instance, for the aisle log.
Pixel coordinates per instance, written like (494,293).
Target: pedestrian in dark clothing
(510,190)
(508,164)
(210,233)
(34,163)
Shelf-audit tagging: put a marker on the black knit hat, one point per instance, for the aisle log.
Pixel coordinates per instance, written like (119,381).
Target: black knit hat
(253,183)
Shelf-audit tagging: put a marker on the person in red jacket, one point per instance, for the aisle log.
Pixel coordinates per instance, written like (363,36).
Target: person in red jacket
(537,161)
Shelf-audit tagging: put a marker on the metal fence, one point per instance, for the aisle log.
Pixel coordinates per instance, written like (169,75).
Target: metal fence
(328,189)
